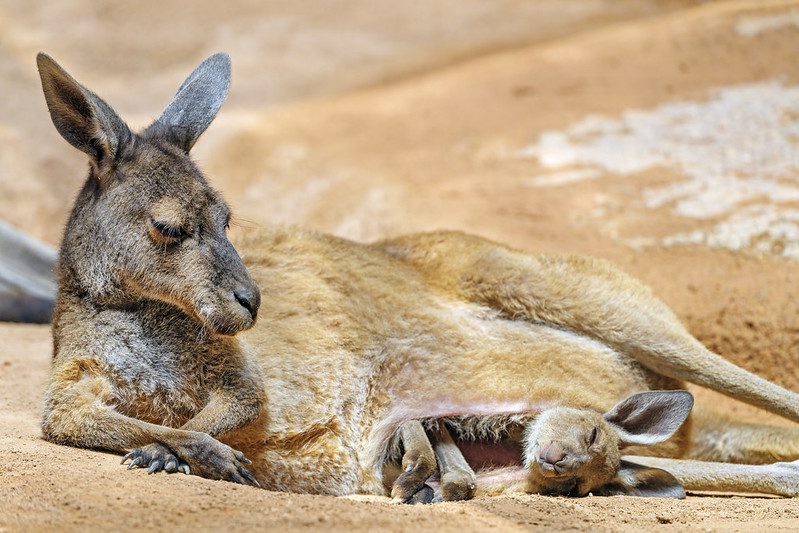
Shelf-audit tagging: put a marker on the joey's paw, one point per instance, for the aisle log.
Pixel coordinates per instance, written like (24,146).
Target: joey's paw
(457,485)
(212,459)
(155,457)
(412,480)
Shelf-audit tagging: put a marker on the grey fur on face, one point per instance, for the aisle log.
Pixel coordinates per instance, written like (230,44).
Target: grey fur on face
(158,229)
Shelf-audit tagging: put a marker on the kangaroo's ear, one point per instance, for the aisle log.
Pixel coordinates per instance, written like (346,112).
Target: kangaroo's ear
(650,417)
(80,116)
(196,103)
(637,480)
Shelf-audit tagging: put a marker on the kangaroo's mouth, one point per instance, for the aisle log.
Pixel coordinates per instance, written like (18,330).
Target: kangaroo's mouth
(223,322)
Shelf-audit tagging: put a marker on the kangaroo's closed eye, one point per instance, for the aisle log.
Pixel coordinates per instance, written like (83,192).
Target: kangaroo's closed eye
(166,232)
(592,437)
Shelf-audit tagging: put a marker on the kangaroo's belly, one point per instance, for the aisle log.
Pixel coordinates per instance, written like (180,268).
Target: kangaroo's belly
(474,359)
(336,399)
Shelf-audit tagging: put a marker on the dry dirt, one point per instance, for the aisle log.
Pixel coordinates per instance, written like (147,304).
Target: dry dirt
(660,135)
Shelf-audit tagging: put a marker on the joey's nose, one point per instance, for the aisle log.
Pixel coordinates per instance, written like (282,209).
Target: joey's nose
(249,298)
(552,453)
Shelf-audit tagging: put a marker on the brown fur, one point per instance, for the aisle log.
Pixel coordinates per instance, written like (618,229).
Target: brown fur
(354,339)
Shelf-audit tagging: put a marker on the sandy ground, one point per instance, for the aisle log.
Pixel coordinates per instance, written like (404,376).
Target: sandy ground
(661,135)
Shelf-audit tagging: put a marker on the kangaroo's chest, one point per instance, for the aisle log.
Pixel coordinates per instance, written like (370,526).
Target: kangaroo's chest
(159,377)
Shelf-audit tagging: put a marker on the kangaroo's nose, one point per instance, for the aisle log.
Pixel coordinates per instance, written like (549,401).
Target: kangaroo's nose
(552,453)
(249,298)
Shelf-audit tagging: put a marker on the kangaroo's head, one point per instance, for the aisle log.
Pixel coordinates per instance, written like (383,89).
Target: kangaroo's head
(146,225)
(576,451)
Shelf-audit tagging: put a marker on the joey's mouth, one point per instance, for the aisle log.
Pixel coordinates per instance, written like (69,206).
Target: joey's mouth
(554,473)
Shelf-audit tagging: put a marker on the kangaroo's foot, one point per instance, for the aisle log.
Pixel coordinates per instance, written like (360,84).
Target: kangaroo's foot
(775,478)
(202,454)
(156,457)
(786,478)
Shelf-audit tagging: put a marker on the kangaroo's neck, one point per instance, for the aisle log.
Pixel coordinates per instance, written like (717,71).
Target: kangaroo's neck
(84,266)
(141,329)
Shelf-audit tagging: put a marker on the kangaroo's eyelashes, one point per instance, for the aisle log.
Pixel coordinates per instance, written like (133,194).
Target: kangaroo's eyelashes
(165,233)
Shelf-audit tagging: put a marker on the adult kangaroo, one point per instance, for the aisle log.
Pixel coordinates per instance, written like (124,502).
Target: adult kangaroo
(372,363)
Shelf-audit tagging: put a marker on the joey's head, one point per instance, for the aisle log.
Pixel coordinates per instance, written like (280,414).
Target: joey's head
(576,451)
(147,226)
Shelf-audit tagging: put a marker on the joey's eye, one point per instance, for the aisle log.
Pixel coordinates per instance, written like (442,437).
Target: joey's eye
(592,438)
(165,232)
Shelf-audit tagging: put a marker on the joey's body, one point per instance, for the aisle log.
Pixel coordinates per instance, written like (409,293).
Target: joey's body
(357,343)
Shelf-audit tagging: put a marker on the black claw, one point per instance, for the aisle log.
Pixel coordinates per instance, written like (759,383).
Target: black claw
(241,457)
(127,456)
(236,478)
(249,477)
(155,466)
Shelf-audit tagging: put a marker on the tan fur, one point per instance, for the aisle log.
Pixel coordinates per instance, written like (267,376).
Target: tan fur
(354,340)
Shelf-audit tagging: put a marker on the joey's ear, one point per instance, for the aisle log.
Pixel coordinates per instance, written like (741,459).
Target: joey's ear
(650,417)
(196,103)
(80,116)
(637,480)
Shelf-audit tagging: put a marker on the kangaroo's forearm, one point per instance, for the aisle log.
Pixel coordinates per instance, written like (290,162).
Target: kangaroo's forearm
(225,412)
(96,425)
(78,411)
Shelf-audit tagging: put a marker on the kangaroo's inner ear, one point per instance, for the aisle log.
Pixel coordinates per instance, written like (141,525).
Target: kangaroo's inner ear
(636,480)
(80,116)
(650,417)
(195,105)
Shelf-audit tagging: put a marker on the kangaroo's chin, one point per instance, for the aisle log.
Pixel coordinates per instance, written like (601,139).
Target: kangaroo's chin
(226,323)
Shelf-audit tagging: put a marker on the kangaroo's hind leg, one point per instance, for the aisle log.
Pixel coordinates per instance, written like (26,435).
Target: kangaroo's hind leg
(592,298)
(776,478)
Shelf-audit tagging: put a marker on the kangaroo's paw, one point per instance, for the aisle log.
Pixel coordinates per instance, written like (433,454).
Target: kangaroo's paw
(786,478)
(423,496)
(155,457)
(412,480)
(457,485)
(209,458)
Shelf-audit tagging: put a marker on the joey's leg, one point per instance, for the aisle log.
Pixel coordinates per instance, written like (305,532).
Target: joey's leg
(418,464)
(776,478)
(76,413)
(457,477)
